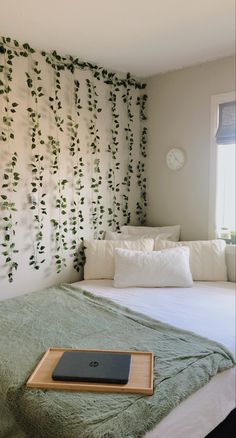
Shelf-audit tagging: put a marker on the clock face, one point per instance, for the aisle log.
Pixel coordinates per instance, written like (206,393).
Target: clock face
(175,159)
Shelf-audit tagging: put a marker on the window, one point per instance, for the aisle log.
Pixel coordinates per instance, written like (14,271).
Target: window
(226,187)
(222,184)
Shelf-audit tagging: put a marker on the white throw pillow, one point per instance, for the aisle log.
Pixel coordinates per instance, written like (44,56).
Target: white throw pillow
(207,258)
(171,233)
(99,255)
(167,268)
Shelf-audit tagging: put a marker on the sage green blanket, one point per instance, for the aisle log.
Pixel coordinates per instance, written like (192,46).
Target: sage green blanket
(67,317)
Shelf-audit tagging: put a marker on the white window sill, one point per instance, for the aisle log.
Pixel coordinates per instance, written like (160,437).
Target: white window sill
(230,248)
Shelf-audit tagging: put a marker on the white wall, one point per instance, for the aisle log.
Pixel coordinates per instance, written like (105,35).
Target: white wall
(179,115)
(97,203)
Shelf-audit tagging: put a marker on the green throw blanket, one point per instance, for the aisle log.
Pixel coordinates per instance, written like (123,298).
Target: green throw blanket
(68,317)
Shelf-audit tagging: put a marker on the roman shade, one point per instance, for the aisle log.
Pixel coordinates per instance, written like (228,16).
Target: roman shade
(227,123)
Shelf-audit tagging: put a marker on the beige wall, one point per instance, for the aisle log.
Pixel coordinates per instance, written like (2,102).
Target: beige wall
(179,115)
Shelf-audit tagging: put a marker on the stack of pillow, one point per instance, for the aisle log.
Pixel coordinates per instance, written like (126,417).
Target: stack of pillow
(153,257)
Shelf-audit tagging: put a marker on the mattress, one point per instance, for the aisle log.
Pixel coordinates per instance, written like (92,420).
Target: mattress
(208,309)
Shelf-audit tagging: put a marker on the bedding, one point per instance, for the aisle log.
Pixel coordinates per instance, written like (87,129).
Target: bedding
(115,235)
(169,267)
(171,232)
(68,317)
(207,309)
(207,258)
(99,255)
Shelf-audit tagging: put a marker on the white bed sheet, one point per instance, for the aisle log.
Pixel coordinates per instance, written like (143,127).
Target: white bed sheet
(207,309)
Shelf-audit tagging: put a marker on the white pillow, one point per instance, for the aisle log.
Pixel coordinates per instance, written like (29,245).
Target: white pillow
(169,233)
(99,255)
(114,235)
(207,258)
(166,268)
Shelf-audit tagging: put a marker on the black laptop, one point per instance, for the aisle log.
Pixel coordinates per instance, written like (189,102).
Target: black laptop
(89,366)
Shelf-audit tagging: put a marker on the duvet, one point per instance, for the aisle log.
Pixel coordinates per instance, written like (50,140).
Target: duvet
(68,317)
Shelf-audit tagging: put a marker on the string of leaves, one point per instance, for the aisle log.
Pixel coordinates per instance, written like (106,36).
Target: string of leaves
(53,141)
(101,74)
(97,210)
(60,227)
(141,178)
(6,70)
(33,80)
(76,213)
(60,223)
(129,137)
(8,50)
(113,211)
(11,176)
(11,179)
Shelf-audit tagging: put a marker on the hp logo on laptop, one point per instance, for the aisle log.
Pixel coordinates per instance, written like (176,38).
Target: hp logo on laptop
(94,364)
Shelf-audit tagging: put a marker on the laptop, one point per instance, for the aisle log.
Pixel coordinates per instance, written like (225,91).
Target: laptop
(93,366)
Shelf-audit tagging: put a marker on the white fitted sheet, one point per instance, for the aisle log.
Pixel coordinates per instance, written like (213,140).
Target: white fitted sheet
(207,309)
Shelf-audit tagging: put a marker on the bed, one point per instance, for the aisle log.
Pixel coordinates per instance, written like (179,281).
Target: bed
(208,309)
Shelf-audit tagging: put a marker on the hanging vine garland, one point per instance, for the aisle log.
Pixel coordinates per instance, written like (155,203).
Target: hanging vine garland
(11,180)
(55,103)
(6,69)
(76,218)
(129,136)
(96,179)
(59,224)
(113,220)
(141,179)
(37,165)
(71,63)
(11,177)
(140,212)
(60,227)
(9,49)
(68,220)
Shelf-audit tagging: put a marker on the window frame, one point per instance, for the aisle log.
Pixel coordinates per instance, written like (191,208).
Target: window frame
(213,183)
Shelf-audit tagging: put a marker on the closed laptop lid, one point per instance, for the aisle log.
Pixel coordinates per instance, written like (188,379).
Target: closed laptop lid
(93,366)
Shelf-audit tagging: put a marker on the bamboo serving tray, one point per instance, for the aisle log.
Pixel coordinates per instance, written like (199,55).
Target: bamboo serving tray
(140,377)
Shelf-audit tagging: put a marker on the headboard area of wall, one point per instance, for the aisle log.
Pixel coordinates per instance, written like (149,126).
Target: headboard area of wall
(72,162)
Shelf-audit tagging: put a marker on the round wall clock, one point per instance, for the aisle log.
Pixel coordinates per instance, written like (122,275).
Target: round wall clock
(175,158)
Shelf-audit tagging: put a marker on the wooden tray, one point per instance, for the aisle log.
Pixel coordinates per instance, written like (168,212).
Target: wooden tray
(140,378)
